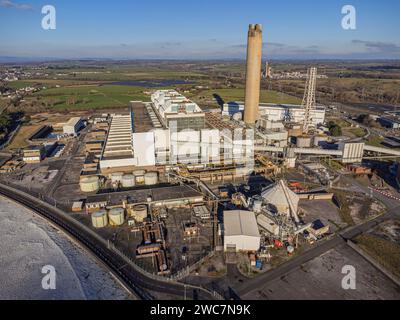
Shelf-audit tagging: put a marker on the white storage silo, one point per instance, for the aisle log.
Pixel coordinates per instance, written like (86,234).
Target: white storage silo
(116,216)
(139,212)
(90,184)
(99,219)
(116,177)
(139,176)
(151,178)
(128,181)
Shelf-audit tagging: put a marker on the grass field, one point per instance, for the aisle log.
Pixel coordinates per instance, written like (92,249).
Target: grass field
(90,97)
(344,212)
(385,252)
(235,94)
(47,83)
(104,96)
(123,72)
(22,135)
(357,132)
(375,141)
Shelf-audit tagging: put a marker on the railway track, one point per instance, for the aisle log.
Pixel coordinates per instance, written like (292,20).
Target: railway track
(133,279)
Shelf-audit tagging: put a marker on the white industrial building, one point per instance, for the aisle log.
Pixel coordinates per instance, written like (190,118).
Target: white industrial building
(118,149)
(125,149)
(176,111)
(272,132)
(352,152)
(73,126)
(279,112)
(163,146)
(241,231)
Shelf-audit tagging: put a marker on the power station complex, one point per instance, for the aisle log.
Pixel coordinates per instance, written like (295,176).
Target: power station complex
(173,130)
(179,181)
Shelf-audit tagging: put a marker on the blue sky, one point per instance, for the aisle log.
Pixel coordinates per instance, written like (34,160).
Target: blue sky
(202,29)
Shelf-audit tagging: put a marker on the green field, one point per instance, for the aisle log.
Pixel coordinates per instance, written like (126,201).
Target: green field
(357,132)
(375,141)
(387,253)
(104,96)
(237,94)
(89,97)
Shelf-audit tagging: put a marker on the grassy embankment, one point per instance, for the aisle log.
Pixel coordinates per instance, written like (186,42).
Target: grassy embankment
(385,252)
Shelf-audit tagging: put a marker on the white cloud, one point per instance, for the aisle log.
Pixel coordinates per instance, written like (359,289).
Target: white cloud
(14,5)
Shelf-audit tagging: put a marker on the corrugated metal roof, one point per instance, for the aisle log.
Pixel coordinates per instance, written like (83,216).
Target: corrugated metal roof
(239,222)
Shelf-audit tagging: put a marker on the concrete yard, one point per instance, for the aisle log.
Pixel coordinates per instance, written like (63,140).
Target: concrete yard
(321,278)
(324,210)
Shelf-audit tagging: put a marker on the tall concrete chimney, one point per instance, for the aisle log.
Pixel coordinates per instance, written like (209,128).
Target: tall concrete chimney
(253,74)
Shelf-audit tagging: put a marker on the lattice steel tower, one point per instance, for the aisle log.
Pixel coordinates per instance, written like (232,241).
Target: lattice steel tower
(309,102)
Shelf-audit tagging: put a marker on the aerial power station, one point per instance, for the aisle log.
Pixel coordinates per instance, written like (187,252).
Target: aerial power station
(177,183)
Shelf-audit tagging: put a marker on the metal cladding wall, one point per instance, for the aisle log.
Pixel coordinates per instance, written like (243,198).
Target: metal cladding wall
(242,243)
(253,74)
(352,152)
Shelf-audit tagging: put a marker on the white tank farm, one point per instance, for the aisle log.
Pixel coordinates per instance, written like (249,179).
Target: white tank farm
(128,181)
(151,178)
(139,212)
(139,176)
(116,177)
(90,184)
(116,216)
(99,219)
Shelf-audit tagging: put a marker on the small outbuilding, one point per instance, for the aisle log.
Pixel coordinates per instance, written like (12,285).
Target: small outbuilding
(241,231)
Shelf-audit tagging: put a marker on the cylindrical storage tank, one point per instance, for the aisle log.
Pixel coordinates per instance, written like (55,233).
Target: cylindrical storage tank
(320,140)
(139,176)
(303,142)
(139,212)
(151,178)
(90,184)
(116,216)
(128,181)
(99,219)
(116,177)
